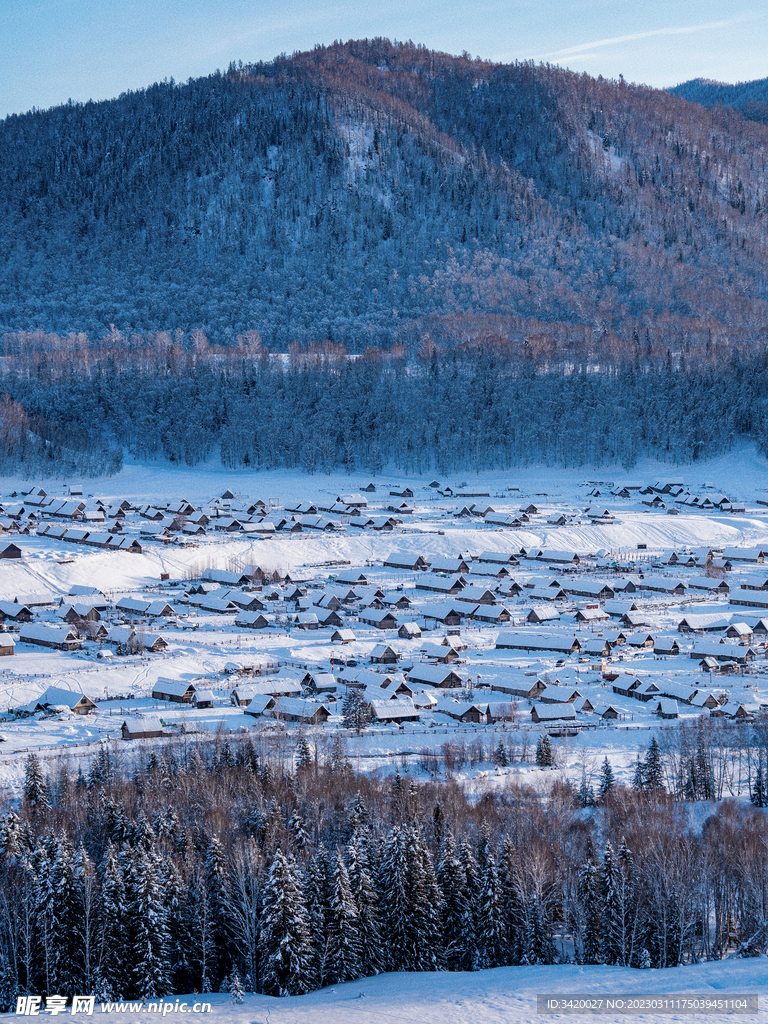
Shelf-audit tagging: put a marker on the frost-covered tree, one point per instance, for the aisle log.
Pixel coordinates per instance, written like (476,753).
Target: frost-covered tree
(287,954)
(342,959)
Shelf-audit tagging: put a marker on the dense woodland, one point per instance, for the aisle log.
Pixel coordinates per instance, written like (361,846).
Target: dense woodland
(346,192)
(751,98)
(376,254)
(202,866)
(445,409)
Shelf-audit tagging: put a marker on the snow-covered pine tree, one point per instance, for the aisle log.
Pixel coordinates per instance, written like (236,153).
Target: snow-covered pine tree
(151,942)
(180,911)
(638,776)
(758,796)
(457,917)
(202,948)
(607,779)
(509,876)
(627,904)
(653,769)
(358,820)
(471,872)
(611,936)
(287,954)
(586,792)
(219,897)
(396,899)
(11,847)
(372,956)
(303,755)
(588,914)
(317,897)
(338,762)
(426,905)
(297,829)
(544,756)
(114,967)
(235,988)
(500,756)
(35,786)
(355,710)
(538,947)
(492,947)
(342,960)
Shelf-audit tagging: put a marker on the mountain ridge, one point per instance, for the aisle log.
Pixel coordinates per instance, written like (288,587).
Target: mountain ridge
(374,193)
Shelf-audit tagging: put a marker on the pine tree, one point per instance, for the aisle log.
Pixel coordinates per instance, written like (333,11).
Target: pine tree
(35,786)
(151,941)
(758,795)
(342,962)
(355,710)
(303,755)
(544,756)
(297,827)
(588,913)
(114,967)
(396,900)
(538,947)
(492,948)
(372,956)
(611,946)
(607,779)
(426,908)
(339,764)
(638,776)
(286,944)
(653,769)
(218,893)
(586,792)
(500,757)
(202,949)
(457,917)
(235,988)
(180,912)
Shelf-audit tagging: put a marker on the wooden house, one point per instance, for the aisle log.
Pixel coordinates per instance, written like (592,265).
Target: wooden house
(55,696)
(445,613)
(383,654)
(146,728)
(293,709)
(178,691)
(406,560)
(395,711)
(43,635)
(11,611)
(546,713)
(409,631)
(434,675)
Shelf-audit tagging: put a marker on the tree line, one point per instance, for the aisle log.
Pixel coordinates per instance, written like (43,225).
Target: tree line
(320,410)
(234,864)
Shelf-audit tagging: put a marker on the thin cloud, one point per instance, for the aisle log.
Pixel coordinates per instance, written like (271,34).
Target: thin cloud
(585,49)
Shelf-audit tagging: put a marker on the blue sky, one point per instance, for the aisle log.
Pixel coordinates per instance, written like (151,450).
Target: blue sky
(54,50)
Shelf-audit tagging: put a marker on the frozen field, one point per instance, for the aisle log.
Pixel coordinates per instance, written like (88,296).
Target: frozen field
(505,995)
(207,647)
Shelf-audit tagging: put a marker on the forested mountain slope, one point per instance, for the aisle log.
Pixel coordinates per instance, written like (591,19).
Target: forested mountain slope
(751,98)
(373,193)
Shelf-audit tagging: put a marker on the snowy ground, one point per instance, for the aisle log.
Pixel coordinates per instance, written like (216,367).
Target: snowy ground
(505,995)
(52,567)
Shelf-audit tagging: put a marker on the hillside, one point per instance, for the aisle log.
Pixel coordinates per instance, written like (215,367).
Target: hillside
(371,193)
(751,98)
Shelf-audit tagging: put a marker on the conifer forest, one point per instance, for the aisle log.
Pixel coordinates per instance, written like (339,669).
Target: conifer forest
(220,866)
(372,253)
